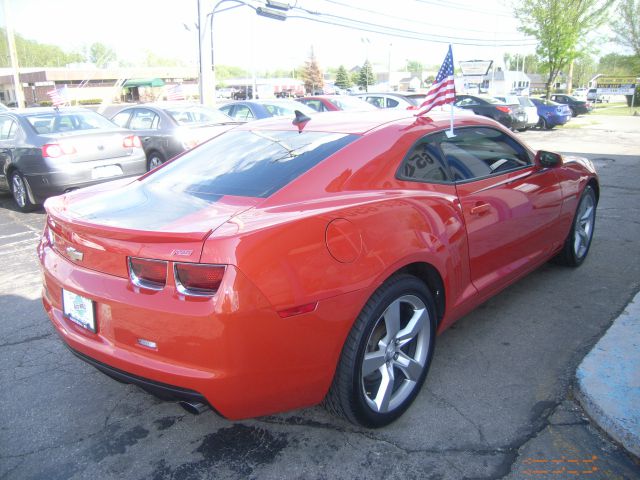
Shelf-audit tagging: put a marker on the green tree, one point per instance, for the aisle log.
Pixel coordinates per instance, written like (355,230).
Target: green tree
(514,62)
(342,78)
(311,75)
(627,25)
(35,54)
(100,54)
(415,67)
(616,64)
(559,27)
(366,76)
(355,76)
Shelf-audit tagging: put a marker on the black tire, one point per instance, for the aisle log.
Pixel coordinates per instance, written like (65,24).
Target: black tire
(154,159)
(20,192)
(573,112)
(403,358)
(544,125)
(576,246)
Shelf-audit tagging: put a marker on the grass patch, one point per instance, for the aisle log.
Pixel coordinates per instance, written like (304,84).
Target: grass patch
(617,109)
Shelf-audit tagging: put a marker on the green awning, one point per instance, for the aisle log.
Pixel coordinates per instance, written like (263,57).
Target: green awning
(143,82)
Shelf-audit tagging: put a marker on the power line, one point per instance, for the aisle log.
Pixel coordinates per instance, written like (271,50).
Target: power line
(395,32)
(459,6)
(408,20)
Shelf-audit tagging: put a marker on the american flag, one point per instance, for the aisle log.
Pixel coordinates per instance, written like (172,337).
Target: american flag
(58,96)
(175,92)
(443,90)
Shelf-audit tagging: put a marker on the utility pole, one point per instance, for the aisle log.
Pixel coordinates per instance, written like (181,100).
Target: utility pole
(14,56)
(207,78)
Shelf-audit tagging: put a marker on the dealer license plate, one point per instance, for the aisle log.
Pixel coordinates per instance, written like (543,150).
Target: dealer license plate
(106,171)
(79,310)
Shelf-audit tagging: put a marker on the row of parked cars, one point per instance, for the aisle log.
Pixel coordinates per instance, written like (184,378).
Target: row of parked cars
(47,151)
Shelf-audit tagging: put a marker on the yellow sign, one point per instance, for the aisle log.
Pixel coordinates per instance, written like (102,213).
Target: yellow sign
(616,80)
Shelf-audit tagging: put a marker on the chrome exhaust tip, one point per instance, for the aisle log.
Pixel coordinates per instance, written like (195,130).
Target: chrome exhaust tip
(194,408)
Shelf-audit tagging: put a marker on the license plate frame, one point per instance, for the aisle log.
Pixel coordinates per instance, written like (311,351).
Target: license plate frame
(79,310)
(106,171)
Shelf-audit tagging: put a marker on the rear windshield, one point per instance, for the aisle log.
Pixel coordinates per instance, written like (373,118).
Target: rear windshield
(526,102)
(53,122)
(193,115)
(286,108)
(247,163)
(351,103)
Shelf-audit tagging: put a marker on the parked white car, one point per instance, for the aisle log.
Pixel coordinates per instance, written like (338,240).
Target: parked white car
(595,97)
(526,104)
(580,93)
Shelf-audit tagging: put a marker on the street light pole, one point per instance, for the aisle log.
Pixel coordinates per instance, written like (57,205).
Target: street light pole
(272,9)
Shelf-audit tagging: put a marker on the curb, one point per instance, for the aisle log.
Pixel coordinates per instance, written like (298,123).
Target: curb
(608,386)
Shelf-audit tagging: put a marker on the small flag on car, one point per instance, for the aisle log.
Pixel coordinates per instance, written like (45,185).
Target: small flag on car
(175,92)
(443,89)
(58,96)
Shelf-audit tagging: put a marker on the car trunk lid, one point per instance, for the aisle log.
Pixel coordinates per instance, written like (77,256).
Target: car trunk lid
(88,146)
(99,230)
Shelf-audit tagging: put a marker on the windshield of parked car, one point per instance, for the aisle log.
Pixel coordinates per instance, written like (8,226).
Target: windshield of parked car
(193,115)
(491,100)
(57,122)
(351,103)
(246,163)
(544,101)
(284,108)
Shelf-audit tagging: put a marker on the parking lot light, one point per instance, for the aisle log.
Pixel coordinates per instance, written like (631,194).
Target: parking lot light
(271,13)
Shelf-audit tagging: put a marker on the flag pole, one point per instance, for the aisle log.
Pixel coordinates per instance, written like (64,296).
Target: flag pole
(450,132)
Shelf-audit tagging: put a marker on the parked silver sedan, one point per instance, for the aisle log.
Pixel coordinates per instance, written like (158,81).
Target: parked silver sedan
(48,151)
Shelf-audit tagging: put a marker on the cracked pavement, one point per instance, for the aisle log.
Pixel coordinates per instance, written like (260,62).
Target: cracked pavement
(498,401)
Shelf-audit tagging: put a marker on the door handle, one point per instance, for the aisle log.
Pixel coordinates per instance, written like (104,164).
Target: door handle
(146,139)
(480,209)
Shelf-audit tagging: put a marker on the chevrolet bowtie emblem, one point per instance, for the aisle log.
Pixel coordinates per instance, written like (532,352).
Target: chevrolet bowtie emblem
(75,255)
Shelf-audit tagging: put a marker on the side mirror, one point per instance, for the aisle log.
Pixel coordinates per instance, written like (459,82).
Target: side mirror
(548,159)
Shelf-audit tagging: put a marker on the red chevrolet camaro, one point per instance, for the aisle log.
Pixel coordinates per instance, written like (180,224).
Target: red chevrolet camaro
(283,264)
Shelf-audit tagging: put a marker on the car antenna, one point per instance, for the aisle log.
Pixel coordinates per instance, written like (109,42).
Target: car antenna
(300,120)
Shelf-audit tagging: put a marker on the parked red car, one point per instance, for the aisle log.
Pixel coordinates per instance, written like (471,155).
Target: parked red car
(332,103)
(294,263)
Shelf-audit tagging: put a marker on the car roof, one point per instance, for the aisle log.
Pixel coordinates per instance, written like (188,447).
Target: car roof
(359,123)
(43,110)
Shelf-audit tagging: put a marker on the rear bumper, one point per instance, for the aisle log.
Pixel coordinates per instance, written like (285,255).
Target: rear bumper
(162,390)
(79,175)
(233,349)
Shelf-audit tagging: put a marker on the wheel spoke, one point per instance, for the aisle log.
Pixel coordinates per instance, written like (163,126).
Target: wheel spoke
(372,362)
(392,320)
(415,326)
(410,367)
(383,397)
(586,214)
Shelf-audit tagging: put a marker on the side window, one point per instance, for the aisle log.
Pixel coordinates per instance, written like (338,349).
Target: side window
(481,152)
(226,109)
(242,112)
(465,102)
(423,162)
(122,118)
(391,103)
(143,119)
(8,128)
(376,101)
(315,104)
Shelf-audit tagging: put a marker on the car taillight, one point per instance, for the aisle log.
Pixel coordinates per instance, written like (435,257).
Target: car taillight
(55,150)
(503,109)
(131,141)
(412,107)
(147,273)
(198,279)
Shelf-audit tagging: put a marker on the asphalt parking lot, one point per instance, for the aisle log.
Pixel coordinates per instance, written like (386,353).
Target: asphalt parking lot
(498,402)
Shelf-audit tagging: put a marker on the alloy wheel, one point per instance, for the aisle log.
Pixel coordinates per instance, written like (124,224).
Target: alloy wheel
(584,226)
(19,190)
(396,354)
